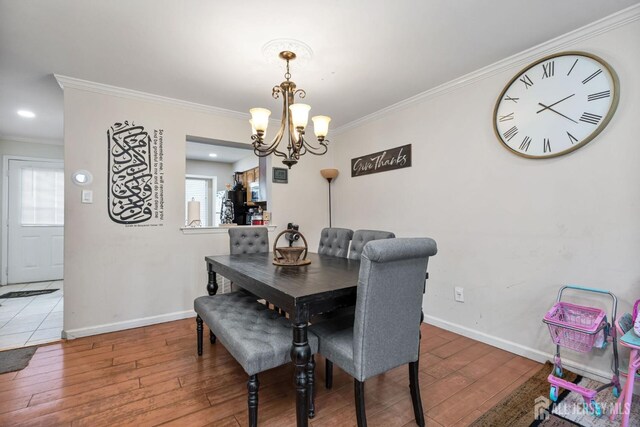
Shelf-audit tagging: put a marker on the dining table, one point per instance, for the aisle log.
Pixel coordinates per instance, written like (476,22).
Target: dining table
(325,284)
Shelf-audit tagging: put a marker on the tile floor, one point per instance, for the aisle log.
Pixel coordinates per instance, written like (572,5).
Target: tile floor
(31,320)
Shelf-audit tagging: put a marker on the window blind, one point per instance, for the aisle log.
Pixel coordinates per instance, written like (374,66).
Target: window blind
(42,196)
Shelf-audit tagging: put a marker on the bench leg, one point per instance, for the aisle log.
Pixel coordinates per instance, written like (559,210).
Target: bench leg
(252,386)
(328,374)
(212,337)
(311,388)
(199,334)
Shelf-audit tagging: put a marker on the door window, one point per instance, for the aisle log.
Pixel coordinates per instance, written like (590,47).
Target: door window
(42,195)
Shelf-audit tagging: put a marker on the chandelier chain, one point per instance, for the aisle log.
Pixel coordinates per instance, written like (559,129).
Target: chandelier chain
(287,75)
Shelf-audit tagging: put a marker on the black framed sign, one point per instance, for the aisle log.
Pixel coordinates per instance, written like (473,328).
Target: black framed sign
(280,175)
(382,161)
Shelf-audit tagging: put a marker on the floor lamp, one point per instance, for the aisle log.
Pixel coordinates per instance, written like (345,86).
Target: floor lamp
(329,175)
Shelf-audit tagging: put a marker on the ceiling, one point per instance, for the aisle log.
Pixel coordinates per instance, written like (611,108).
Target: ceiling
(367,54)
(201,151)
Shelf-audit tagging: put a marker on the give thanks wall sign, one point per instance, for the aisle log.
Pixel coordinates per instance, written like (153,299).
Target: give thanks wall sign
(382,161)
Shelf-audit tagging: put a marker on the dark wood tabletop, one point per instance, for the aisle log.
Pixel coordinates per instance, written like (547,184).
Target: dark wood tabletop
(327,283)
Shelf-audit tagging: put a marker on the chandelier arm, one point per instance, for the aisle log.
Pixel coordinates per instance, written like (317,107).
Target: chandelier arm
(315,150)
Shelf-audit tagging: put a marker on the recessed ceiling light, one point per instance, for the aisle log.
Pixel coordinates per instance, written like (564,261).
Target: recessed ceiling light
(26,113)
(213,155)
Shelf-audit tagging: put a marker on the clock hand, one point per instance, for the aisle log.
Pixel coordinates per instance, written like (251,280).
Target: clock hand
(549,107)
(560,114)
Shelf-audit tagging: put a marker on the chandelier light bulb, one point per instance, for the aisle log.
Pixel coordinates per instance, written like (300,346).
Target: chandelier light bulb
(321,125)
(260,118)
(299,115)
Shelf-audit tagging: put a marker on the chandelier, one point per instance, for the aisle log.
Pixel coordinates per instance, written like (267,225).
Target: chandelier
(293,123)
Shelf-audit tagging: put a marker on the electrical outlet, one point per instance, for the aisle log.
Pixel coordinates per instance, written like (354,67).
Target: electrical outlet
(459,294)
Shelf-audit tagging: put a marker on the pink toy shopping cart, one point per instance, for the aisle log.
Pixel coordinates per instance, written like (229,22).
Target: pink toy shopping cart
(581,329)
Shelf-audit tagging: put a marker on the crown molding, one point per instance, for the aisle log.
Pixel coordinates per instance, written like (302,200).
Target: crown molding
(104,89)
(557,44)
(47,141)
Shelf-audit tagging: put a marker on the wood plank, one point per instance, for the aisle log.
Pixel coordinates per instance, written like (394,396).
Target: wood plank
(66,416)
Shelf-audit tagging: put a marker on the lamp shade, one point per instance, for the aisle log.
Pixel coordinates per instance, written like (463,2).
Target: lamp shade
(321,125)
(260,118)
(329,173)
(299,115)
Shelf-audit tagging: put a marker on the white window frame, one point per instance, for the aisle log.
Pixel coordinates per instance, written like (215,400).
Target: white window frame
(211,195)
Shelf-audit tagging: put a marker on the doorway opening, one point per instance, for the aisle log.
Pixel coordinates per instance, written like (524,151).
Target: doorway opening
(31,298)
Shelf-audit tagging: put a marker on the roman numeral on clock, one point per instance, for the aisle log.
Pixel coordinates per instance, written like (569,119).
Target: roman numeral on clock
(505,118)
(548,70)
(571,69)
(524,145)
(547,145)
(588,79)
(508,98)
(599,95)
(526,80)
(572,138)
(590,118)
(510,133)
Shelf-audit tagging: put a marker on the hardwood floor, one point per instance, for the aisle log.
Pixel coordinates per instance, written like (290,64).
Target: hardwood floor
(151,376)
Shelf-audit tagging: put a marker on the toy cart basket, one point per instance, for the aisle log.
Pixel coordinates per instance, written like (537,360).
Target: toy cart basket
(575,326)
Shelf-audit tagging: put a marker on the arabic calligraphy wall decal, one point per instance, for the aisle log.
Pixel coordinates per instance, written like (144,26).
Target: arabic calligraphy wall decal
(135,193)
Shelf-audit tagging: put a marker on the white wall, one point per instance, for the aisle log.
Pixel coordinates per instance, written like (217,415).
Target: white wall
(249,162)
(222,171)
(26,149)
(509,230)
(118,277)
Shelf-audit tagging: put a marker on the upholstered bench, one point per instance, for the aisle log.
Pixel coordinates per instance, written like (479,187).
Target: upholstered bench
(257,337)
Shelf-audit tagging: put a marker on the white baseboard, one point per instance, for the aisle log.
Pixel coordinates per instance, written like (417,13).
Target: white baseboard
(127,324)
(521,350)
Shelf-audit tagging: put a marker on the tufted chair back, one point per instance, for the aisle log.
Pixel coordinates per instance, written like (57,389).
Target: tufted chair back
(248,240)
(386,328)
(362,237)
(335,242)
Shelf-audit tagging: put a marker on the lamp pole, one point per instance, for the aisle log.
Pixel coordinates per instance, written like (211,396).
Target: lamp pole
(329,175)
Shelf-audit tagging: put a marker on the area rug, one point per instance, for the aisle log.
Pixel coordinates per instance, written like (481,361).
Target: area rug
(571,408)
(22,294)
(15,360)
(519,408)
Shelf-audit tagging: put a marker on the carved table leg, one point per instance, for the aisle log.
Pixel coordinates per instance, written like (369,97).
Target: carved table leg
(300,355)
(311,367)
(212,284)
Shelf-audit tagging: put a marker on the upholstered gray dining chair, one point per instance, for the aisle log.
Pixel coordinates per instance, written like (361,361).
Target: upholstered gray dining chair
(385,332)
(362,237)
(248,240)
(359,240)
(335,242)
(245,240)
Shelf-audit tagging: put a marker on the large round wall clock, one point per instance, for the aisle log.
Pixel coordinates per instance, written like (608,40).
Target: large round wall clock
(556,105)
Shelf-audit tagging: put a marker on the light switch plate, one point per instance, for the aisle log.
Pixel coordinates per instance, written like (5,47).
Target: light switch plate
(87,196)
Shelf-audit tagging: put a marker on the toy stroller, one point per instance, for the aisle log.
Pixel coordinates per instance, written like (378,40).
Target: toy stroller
(581,329)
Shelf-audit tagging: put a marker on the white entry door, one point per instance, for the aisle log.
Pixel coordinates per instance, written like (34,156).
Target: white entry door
(35,221)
